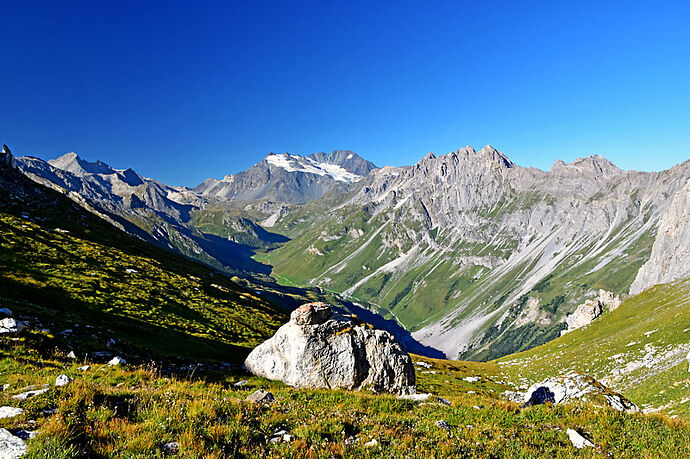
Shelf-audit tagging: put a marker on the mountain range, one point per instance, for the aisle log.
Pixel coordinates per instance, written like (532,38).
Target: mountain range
(476,256)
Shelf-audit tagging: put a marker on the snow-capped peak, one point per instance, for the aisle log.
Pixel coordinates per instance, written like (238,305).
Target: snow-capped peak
(294,163)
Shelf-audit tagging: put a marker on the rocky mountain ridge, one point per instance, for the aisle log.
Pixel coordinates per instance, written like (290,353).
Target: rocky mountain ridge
(478,256)
(455,245)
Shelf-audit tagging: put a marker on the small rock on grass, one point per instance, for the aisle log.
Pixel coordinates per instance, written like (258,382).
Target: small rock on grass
(244,382)
(85,368)
(371,443)
(172,447)
(9,412)
(442,424)
(29,394)
(578,440)
(116,361)
(71,355)
(62,380)
(261,396)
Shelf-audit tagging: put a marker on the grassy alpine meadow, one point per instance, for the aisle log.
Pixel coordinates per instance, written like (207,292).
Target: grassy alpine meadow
(640,350)
(134,410)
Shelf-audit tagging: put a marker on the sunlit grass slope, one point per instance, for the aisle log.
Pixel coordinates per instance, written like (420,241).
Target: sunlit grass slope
(133,411)
(58,261)
(639,349)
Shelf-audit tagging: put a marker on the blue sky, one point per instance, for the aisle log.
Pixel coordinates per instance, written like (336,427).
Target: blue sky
(181,91)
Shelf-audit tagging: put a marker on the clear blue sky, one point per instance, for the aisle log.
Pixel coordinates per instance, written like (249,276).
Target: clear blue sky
(181,91)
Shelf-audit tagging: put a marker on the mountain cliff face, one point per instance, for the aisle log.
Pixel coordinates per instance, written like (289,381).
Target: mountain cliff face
(290,178)
(670,258)
(479,256)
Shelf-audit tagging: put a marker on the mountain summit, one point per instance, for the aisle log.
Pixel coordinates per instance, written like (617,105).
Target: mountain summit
(290,178)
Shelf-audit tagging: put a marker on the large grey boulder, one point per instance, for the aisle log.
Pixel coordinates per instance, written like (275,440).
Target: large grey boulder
(320,349)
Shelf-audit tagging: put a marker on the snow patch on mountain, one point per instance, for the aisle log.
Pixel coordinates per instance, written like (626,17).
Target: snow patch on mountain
(294,163)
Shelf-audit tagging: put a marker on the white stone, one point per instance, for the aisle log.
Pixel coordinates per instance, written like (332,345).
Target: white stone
(71,355)
(578,440)
(10,325)
(85,368)
(116,361)
(9,412)
(30,393)
(472,379)
(11,447)
(584,315)
(62,380)
(415,397)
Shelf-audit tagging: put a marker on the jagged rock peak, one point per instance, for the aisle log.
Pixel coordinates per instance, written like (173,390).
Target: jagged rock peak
(71,162)
(595,164)
(6,156)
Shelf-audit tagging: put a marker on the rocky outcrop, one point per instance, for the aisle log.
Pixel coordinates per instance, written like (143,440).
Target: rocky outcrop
(6,158)
(670,258)
(590,310)
(583,315)
(574,386)
(320,349)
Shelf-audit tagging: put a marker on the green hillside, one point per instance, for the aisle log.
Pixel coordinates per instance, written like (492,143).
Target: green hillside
(640,349)
(66,266)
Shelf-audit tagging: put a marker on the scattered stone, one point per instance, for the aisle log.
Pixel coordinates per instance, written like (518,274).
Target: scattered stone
(9,412)
(244,382)
(27,434)
(71,355)
(512,396)
(578,440)
(6,311)
(576,386)
(62,380)
(4,387)
(131,271)
(443,401)
(261,396)
(415,397)
(319,349)
(9,325)
(424,364)
(11,447)
(29,394)
(117,361)
(172,447)
(371,443)
(472,378)
(443,424)
(85,368)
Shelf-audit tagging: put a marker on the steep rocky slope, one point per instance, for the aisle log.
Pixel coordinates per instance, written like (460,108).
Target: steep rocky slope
(670,259)
(478,255)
